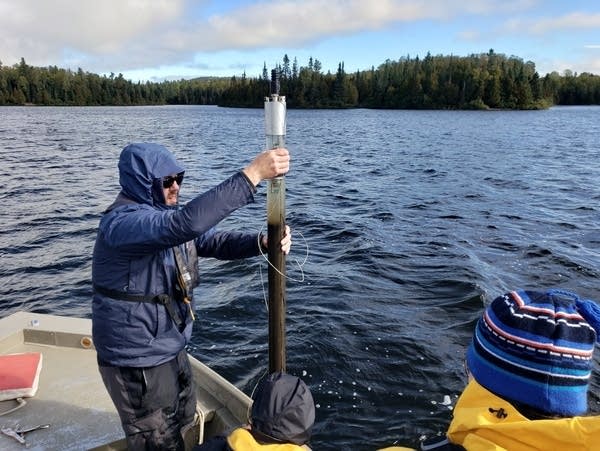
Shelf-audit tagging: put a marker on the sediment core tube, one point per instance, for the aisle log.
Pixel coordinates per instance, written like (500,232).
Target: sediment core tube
(275,110)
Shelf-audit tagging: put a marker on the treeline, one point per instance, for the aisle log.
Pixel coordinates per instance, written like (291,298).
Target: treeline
(481,81)
(22,84)
(487,80)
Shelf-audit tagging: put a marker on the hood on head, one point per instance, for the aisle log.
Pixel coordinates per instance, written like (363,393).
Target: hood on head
(141,169)
(283,410)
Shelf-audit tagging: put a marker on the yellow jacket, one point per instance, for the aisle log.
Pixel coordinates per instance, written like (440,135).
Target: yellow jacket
(241,439)
(477,429)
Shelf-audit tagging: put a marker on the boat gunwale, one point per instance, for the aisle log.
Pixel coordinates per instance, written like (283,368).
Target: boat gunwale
(221,405)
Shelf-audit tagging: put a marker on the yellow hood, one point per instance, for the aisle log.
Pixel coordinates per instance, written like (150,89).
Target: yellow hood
(242,440)
(477,429)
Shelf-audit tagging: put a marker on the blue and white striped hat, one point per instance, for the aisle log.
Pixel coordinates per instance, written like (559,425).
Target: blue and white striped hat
(536,348)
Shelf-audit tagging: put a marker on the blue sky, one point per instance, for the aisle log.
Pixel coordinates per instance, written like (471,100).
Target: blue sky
(172,39)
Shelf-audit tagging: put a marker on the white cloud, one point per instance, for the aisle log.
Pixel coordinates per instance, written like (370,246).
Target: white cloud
(470,35)
(294,23)
(44,30)
(101,35)
(578,65)
(547,25)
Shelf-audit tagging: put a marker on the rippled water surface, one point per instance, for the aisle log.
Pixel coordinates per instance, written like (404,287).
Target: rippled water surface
(406,223)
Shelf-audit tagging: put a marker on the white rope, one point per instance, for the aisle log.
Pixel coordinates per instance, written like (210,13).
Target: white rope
(299,264)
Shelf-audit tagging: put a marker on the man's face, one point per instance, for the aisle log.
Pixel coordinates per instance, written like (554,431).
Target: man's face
(171,185)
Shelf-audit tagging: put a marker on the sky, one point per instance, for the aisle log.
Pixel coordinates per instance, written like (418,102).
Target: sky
(156,40)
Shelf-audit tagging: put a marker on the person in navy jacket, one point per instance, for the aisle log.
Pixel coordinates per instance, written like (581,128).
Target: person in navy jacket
(144,270)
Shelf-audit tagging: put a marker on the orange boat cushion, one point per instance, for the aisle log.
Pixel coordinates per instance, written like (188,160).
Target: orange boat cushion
(19,375)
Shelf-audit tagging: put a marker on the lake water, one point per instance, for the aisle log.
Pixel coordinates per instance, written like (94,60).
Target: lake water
(406,223)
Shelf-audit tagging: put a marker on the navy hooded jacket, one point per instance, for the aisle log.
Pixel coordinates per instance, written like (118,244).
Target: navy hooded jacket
(134,255)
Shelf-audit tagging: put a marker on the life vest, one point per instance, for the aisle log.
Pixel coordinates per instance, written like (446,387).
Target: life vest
(484,421)
(242,440)
(186,281)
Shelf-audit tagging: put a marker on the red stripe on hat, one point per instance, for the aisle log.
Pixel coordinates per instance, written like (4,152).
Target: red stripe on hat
(548,311)
(535,344)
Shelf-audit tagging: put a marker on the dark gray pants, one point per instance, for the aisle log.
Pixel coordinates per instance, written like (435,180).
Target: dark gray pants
(156,405)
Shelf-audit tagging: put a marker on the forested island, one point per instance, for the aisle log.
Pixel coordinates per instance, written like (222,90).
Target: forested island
(480,81)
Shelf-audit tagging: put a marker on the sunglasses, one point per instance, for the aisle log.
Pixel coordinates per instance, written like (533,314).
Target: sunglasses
(169,180)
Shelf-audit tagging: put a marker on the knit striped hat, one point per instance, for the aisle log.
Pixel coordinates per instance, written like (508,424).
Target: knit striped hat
(536,348)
